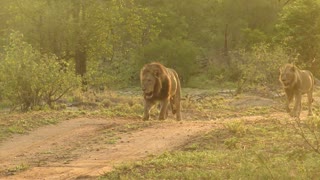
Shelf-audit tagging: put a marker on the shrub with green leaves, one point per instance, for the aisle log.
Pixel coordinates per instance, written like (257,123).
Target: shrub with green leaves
(30,79)
(260,66)
(178,54)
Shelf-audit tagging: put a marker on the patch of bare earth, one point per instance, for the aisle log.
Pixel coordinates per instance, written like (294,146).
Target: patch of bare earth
(79,148)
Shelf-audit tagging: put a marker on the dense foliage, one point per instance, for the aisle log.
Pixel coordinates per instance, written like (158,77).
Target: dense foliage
(217,40)
(30,79)
(260,66)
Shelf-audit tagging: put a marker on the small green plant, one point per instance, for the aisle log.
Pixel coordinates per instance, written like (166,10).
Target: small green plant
(231,143)
(112,140)
(236,127)
(16,169)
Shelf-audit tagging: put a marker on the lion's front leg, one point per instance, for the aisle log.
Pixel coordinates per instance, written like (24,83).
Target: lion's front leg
(297,107)
(289,95)
(310,101)
(147,106)
(164,109)
(287,106)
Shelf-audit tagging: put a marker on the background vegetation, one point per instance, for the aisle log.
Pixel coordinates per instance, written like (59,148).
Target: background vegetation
(79,48)
(46,46)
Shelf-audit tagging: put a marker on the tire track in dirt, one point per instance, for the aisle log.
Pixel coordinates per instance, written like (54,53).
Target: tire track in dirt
(52,143)
(70,150)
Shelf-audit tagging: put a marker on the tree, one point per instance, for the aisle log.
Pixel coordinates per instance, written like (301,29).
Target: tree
(120,30)
(298,30)
(86,31)
(250,21)
(259,66)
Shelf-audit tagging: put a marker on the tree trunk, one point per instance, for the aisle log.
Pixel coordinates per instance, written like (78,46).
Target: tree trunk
(80,44)
(225,50)
(81,62)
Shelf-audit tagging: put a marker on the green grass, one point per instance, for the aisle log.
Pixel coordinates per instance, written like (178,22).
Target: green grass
(243,149)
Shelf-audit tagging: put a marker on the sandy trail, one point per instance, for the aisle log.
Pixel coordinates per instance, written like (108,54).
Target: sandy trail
(77,148)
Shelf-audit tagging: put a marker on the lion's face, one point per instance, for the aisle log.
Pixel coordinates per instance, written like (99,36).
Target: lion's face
(148,84)
(287,76)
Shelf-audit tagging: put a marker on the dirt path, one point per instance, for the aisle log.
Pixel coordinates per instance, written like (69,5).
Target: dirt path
(81,149)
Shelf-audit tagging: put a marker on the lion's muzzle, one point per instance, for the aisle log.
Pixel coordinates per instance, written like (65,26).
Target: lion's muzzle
(148,95)
(285,83)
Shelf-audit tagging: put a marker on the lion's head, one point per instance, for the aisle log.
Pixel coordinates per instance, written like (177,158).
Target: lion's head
(151,77)
(288,75)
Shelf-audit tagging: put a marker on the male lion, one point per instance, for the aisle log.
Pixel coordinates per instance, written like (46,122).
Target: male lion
(296,82)
(160,84)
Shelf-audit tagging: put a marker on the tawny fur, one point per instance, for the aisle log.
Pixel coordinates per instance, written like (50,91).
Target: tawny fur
(295,83)
(160,84)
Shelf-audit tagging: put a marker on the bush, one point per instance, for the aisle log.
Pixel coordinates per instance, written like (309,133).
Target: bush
(176,53)
(98,76)
(259,66)
(30,79)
